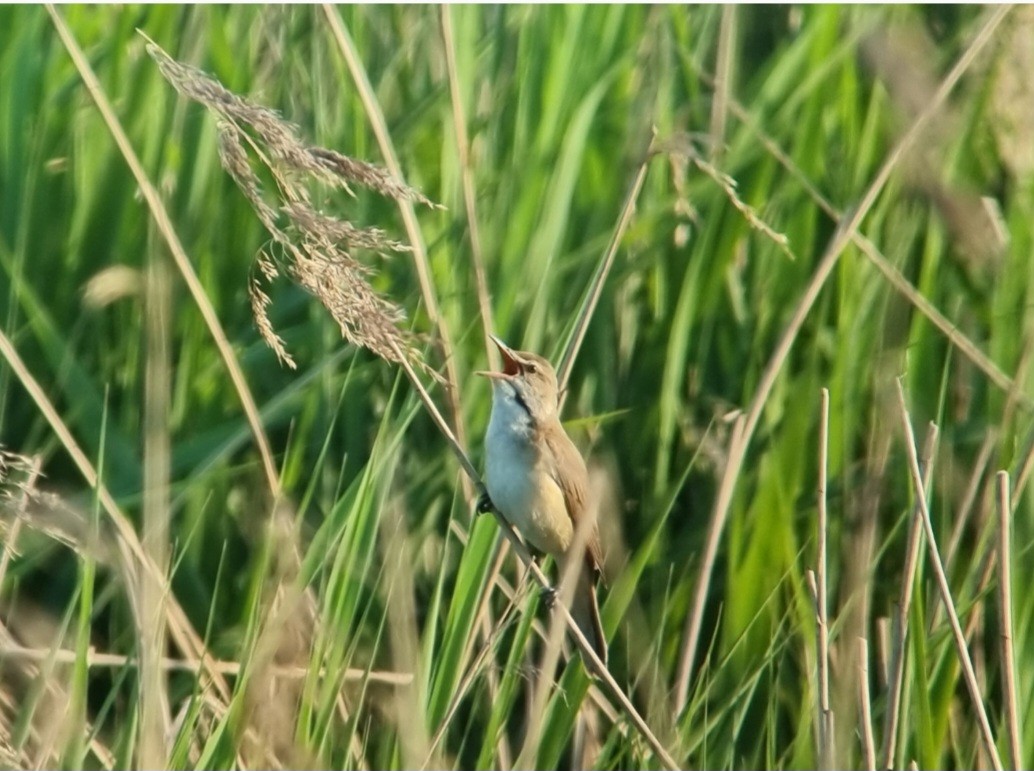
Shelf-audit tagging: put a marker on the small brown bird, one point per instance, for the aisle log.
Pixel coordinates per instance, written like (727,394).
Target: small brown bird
(536,477)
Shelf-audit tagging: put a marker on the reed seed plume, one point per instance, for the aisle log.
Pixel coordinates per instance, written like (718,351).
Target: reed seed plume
(312,248)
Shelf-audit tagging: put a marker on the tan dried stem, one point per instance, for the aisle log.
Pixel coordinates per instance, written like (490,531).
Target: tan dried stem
(865,706)
(1012,718)
(348,51)
(895,687)
(825,714)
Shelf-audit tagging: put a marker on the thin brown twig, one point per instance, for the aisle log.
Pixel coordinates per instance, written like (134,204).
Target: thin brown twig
(1012,719)
(966,503)
(969,676)
(844,234)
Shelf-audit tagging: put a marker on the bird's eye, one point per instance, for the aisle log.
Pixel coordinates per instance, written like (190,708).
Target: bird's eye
(531,366)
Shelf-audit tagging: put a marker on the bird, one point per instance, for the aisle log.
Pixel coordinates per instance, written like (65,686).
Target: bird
(537,480)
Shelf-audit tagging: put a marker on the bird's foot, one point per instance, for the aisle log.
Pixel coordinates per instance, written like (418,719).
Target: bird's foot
(484,504)
(549,597)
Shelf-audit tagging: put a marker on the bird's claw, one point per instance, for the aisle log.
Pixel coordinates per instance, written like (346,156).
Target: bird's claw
(484,504)
(549,596)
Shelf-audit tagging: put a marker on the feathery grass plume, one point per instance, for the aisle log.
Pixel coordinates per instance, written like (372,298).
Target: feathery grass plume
(312,248)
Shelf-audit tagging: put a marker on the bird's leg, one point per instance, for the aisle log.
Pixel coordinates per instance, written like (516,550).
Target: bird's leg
(484,504)
(549,597)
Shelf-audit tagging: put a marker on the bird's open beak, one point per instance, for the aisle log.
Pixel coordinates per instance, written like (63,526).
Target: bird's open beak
(511,364)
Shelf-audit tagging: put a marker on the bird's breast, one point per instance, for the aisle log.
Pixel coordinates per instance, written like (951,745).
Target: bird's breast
(522,488)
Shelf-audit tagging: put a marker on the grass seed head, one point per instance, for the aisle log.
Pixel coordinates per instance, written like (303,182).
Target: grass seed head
(314,249)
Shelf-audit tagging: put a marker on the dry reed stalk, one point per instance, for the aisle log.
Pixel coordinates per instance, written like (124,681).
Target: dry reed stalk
(897,659)
(98,659)
(146,593)
(599,277)
(379,126)
(969,676)
(865,705)
(1012,720)
(825,714)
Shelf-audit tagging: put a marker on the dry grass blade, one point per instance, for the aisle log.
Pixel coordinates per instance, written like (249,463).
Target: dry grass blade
(844,234)
(98,659)
(897,662)
(694,619)
(969,676)
(865,705)
(1012,718)
(311,247)
(825,715)
(146,592)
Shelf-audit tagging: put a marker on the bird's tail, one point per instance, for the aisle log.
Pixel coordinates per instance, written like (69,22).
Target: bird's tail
(586,612)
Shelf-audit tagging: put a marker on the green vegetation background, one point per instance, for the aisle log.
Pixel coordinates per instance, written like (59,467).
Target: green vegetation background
(561,103)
